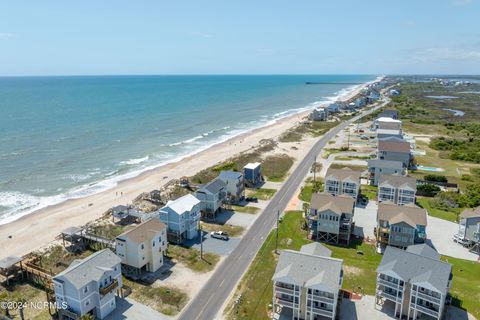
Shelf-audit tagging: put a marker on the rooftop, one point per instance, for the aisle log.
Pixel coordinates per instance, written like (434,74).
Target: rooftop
(410,214)
(425,250)
(309,270)
(214,186)
(470,213)
(338,204)
(92,268)
(230,175)
(145,231)
(341,174)
(388,164)
(183,204)
(398,181)
(252,165)
(393,146)
(416,268)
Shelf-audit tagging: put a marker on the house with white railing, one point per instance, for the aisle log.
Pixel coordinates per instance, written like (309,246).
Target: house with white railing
(414,282)
(306,284)
(343,181)
(397,189)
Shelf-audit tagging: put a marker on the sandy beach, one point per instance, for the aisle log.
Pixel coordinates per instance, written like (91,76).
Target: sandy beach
(38,229)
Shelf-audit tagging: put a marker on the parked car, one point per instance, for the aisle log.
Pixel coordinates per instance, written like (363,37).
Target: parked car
(219,235)
(251,199)
(455,237)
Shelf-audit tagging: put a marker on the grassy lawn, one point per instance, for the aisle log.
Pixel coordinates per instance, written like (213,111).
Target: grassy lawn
(166,300)
(191,258)
(351,166)
(23,291)
(465,285)
(307,190)
(233,231)
(276,167)
(262,193)
(245,209)
(369,191)
(424,202)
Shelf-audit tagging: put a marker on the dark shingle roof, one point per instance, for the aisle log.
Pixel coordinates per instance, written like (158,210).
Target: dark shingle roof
(424,250)
(387,164)
(397,181)
(393,146)
(214,186)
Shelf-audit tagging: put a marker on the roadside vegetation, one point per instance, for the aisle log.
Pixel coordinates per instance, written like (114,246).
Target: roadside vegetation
(312,128)
(191,258)
(309,188)
(164,299)
(262,193)
(245,209)
(233,231)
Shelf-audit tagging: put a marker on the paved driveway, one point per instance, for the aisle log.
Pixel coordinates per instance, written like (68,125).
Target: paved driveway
(440,233)
(365,220)
(132,310)
(217,246)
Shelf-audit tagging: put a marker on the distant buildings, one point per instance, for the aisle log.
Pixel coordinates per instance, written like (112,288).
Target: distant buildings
(212,196)
(235,185)
(331,217)
(378,167)
(143,247)
(414,281)
(88,286)
(319,114)
(253,173)
(343,181)
(306,284)
(397,189)
(469,227)
(394,150)
(181,217)
(400,226)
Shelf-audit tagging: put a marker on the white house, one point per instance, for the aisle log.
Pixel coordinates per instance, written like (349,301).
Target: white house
(235,185)
(319,114)
(212,196)
(88,286)
(144,246)
(306,284)
(181,217)
(397,189)
(415,282)
(343,181)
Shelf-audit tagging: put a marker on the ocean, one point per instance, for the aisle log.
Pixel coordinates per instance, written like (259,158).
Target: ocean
(68,137)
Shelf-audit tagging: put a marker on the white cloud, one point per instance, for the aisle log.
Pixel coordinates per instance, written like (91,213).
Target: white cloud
(6,35)
(446,53)
(410,23)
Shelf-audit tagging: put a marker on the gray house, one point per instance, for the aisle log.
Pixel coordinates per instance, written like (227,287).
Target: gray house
(400,226)
(397,189)
(181,217)
(343,181)
(469,226)
(319,114)
(394,150)
(235,185)
(414,281)
(331,217)
(306,284)
(212,196)
(88,286)
(378,167)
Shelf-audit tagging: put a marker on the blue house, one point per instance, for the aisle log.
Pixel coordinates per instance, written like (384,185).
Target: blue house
(253,173)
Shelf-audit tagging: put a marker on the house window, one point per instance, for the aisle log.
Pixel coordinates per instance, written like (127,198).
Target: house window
(87,303)
(85,290)
(153,243)
(143,247)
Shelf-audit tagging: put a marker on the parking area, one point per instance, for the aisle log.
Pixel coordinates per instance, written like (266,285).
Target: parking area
(132,310)
(217,246)
(439,232)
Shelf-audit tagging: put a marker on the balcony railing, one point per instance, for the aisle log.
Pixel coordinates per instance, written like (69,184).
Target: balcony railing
(284,290)
(431,312)
(322,312)
(389,284)
(318,298)
(427,297)
(389,296)
(112,286)
(285,303)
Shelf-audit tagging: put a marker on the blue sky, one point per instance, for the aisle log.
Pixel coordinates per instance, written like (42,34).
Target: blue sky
(239,37)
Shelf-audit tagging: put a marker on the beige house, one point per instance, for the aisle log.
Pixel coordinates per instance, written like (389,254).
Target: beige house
(143,247)
(343,181)
(331,217)
(400,226)
(397,189)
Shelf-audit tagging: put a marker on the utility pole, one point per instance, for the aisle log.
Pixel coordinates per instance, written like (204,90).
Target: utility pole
(201,239)
(276,239)
(314,168)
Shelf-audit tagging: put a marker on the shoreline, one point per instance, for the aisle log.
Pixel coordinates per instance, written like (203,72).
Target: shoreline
(46,223)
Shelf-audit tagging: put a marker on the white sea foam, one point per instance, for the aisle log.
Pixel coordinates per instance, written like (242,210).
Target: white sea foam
(135,161)
(24,204)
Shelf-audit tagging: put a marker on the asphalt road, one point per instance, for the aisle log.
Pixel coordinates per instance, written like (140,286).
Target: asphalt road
(212,296)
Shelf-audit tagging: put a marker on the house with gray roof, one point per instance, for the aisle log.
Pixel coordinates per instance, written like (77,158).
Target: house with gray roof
(415,281)
(469,227)
(181,217)
(306,284)
(394,150)
(212,196)
(397,189)
(330,218)
(343,181)
(400,226)
(88,286)
(379,167)
(235,185)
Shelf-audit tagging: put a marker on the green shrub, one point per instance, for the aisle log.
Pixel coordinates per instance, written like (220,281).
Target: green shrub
(436,178)
(428,189)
